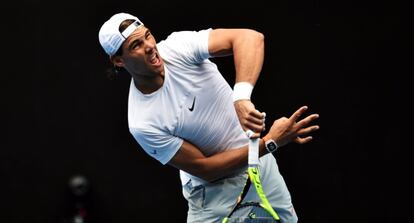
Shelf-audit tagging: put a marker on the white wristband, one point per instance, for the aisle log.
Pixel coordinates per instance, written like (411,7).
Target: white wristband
(242,90)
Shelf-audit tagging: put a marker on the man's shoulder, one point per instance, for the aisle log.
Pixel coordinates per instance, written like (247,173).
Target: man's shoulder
(184,33)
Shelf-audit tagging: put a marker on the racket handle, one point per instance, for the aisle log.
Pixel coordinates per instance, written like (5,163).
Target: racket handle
(254,152)
(253,158)
(249,133)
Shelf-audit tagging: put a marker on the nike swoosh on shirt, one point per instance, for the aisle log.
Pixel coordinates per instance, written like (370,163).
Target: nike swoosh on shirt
(192,106)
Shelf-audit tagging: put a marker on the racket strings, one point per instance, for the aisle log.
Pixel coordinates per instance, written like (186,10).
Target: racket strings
(251,212)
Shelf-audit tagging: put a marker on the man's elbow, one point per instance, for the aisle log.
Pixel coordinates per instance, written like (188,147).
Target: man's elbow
(206,173)
(258,36)
(199,168)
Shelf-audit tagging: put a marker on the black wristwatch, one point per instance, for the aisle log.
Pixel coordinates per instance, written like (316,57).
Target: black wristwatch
(270,144)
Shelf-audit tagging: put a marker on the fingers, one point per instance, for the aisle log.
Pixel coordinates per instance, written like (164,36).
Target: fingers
(255,136)
(303,140)
(287,130)
(307,120)
(258,115)
(298,113)
(308,130)
(255,128)
(249,117)
(249,133)
(252,135)
(302,130)
(255,121)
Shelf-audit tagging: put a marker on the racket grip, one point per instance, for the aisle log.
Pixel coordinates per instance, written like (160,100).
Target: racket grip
(254,152)
(249,133)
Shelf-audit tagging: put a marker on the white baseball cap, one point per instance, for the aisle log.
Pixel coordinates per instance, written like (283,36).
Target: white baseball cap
(109,36)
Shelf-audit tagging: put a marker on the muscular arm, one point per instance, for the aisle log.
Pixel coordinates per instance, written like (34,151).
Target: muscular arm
(190,159)
(284,130)
(247,47)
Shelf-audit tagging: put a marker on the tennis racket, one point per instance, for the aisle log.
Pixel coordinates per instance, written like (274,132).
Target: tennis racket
(252,212)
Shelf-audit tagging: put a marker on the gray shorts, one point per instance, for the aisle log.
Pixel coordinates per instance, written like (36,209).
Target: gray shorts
(211,202)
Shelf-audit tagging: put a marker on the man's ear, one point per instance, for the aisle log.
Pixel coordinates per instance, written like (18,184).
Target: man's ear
(117,61)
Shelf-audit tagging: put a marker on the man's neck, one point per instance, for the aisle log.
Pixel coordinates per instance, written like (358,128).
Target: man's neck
(148,85)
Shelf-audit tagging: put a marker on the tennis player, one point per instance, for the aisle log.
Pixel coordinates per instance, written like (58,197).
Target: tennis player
(183,113)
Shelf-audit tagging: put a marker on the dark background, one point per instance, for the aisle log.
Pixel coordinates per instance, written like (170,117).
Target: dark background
(62,116)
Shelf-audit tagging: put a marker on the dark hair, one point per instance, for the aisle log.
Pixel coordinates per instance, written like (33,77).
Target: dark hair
(114,70)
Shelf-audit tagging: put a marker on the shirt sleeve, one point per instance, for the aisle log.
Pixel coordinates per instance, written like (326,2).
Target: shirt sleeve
(191,46)
(157,144)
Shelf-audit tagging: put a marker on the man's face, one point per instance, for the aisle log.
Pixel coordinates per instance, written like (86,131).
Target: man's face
(140,54)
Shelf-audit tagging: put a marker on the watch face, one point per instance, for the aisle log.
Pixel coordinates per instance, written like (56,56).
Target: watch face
(272,146)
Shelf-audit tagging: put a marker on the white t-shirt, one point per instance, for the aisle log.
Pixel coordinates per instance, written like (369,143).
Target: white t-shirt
(194,104)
